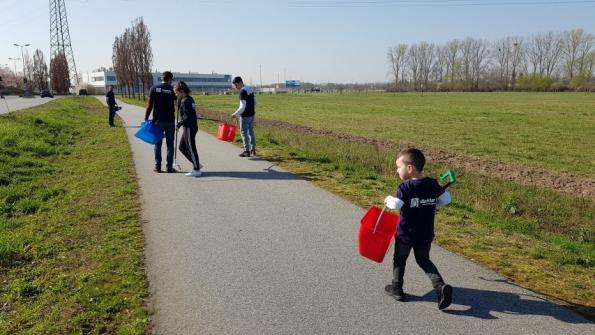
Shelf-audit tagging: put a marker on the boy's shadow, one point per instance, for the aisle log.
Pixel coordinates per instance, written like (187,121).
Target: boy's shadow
(481,304)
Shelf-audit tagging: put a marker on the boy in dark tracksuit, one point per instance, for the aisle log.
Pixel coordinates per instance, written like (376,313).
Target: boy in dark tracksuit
(417,197)
(111,105)
(162,100)
(187,110)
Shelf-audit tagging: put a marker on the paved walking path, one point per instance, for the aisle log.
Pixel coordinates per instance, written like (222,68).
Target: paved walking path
(14,103)
(251,249)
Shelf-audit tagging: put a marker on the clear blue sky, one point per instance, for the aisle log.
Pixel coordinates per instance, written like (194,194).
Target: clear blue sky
(346,41)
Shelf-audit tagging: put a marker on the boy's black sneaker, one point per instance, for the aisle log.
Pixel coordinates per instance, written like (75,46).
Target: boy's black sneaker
(253,152)
(171,170)
(157,169)
(395,292)
(444,296)
(245,154)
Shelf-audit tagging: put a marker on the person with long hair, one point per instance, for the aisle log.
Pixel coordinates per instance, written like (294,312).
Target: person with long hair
(188,121)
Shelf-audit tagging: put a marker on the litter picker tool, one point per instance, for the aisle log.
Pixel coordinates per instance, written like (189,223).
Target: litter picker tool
(176,165)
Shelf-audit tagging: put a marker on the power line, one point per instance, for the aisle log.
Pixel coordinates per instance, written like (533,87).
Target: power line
(432,3)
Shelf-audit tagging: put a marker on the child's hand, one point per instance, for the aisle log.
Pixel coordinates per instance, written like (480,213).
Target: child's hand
(391,202)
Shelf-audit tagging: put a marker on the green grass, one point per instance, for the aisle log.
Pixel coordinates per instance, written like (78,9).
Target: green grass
(545,130)
(71,243)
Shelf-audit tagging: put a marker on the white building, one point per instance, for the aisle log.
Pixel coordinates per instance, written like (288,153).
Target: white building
(98,81)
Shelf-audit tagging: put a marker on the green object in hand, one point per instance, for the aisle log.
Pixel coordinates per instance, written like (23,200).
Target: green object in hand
(450,174)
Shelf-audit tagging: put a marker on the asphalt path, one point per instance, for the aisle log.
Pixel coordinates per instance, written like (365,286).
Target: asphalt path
(14,103)
(249,248)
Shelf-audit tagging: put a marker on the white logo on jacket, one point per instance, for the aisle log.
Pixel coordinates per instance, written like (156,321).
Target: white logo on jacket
(415,202)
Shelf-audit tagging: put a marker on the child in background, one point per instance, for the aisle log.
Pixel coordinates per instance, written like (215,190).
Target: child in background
(417,198)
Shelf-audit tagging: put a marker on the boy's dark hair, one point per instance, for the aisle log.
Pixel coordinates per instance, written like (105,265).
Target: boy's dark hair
(181,86)
(167,76)
(237,79)
(414,157)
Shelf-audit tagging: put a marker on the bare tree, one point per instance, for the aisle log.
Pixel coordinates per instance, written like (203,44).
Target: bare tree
(509,55)
(59,75)
(397,57)
(426,62)
(576,45)
(452,52)
(414,65)
(479,61)
(467,51)
(145,54)
(518,60)
(590,64)
(439,69)
(40,71)
(543,52)
(28,75)
(132,59)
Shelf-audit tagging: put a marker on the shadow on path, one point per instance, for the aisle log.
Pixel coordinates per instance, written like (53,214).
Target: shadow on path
(481,303)
(260,175)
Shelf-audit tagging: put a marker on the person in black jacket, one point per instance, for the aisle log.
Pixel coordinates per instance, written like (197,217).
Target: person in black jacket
(162,101)
(188,119)
(111,105)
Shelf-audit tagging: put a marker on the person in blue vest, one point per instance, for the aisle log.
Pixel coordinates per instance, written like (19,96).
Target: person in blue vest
(162,101)
(245,113)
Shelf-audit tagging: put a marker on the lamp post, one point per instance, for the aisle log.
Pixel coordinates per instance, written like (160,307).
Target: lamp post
(24,72)
(16,81)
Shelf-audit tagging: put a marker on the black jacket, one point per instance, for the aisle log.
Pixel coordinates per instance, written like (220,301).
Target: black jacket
(110,99)
(187,110)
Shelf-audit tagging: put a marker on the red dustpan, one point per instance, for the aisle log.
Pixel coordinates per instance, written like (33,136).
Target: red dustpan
(376,231)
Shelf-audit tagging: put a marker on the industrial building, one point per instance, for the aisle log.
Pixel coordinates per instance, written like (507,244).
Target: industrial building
(98,81)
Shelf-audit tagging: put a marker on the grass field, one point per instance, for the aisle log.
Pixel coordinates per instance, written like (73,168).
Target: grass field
(537,237)
(71,243)
(545,130)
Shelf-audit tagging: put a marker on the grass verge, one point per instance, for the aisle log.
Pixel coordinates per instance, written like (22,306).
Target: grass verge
(71,243)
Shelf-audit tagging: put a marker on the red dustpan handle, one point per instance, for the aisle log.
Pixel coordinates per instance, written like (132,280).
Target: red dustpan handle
(379,218)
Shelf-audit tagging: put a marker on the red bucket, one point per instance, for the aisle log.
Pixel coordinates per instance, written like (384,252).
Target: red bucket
(226,132)
(374,244)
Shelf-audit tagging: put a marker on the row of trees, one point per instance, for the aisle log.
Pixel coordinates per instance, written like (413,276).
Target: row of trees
(545,61)
(37,75)
(132,59)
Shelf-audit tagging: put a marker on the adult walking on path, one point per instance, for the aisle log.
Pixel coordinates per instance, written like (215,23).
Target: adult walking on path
(161,103)
(245,113)
(251,249)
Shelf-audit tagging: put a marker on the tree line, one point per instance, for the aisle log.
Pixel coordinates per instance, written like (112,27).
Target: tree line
(132,60)
(552,61)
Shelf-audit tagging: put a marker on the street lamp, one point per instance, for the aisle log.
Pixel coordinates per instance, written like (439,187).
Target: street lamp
(24,73)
